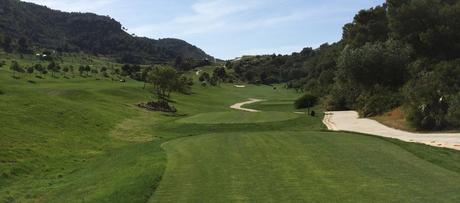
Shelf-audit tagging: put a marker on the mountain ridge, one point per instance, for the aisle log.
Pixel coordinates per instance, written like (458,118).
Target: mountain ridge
(88,32)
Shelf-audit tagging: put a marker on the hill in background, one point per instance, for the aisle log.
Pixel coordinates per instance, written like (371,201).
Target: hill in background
(43,27)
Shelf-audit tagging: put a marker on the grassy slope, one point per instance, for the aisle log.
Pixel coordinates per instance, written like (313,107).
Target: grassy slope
(75,140)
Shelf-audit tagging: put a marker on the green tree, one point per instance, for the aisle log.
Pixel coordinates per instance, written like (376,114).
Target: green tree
(7,44)
(87,70)
(431,97)
(23,45)
(430,26)
(368,26)
(65,70)
(72,70)
(15,67)
(165,79)
(307,101)
(220,73)
(38,68)
(81,70)
(53,68)
(145,75)
(380,63)
(30,70)
(204,77)
(453,115)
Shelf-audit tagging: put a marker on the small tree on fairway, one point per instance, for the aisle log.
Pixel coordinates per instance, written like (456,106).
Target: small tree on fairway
(30,70)
(14,67)
(163,80)
(71,69)
(94,71)
(52,67)
(306,101)
(38,68)
(65,70)
(204,77)
(81,70)
(87,70)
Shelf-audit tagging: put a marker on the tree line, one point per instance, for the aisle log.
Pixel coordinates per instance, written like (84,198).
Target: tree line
(53,69)
(402,53)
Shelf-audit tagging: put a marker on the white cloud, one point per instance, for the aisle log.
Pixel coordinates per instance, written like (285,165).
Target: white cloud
(228,16)
(206,16)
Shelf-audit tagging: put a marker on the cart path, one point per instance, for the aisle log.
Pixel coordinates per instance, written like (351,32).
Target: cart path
(238,106)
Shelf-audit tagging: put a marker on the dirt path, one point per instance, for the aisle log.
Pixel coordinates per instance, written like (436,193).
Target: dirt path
(238,106)
(350,121)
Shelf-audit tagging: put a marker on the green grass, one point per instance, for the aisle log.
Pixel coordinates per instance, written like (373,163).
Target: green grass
(237,117)
(299,167)
(84,140)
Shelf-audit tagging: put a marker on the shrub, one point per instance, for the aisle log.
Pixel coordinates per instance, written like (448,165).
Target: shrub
(433,98)
(453,113)
(377,102)
(306,101)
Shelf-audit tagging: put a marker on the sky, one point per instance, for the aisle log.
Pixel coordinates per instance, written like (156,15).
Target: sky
(229,28)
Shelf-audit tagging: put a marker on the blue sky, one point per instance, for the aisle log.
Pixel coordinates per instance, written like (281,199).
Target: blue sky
(229,28)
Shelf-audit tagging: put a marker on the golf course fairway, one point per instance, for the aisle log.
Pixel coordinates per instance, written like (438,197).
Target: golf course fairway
(238,117)
(86,141)
(299,167)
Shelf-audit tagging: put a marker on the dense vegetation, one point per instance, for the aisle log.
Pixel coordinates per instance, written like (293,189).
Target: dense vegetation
(24,26)
(402,53)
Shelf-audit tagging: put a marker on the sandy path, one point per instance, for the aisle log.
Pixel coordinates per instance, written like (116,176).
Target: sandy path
(238,106)
(350,121)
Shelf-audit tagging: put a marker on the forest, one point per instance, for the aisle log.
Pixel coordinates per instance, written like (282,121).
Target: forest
(404,53)
(25,25)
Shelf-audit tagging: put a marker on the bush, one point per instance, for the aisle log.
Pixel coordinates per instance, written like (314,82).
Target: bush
(342,97)
(426,107)
(453,115)
(432,97)
(306,101)
(377,102)
(379,63)
(162,106)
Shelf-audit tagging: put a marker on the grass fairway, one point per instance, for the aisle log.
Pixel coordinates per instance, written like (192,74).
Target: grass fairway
(299,167)
(83,140)
(238,117)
